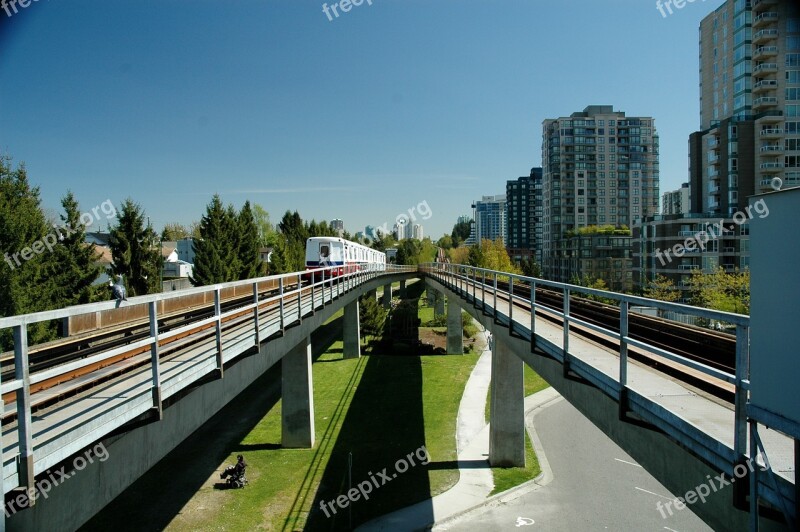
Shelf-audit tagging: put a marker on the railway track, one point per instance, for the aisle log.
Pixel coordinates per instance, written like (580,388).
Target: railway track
(67,350)
(712,348)
(709,347)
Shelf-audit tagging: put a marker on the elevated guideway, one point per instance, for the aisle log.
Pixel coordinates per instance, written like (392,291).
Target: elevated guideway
(143,397)
(682,435)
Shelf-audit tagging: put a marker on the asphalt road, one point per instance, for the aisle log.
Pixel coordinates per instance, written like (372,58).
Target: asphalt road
(595,486)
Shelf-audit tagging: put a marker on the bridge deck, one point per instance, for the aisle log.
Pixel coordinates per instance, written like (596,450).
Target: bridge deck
(703,423)
(77,421)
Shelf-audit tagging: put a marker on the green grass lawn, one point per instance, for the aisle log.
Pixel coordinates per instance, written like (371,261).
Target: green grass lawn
(377,410)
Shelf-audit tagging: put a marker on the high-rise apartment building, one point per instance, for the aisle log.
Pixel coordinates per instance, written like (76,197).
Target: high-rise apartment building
(338,226)
(599,167)
(524,219)
(676,201)
(489,215)
(749,105)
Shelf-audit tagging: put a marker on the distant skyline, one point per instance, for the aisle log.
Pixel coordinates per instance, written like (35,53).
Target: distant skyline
(359,117)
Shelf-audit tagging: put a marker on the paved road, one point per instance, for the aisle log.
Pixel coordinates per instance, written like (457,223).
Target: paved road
(595,486)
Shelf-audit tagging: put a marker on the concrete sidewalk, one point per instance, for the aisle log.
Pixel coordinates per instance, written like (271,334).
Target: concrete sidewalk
(472,443)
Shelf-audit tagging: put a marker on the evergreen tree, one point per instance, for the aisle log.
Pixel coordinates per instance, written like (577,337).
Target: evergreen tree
(135,252)
(75,268)
(25,281)
(249,246)
(213,262)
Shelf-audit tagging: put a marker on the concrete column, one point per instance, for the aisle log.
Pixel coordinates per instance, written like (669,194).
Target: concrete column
(455,341)
(438,308)
(430,294)
(373,294)
(403,289)
(297,408)
(351,329)
(387,296)
(507,410)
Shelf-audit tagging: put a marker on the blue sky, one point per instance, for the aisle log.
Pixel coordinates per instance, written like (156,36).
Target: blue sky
(360,118)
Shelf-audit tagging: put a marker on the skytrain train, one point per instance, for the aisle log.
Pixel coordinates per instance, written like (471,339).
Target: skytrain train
(326,251)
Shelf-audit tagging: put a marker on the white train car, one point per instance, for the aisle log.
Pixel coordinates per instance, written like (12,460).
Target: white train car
(326,251)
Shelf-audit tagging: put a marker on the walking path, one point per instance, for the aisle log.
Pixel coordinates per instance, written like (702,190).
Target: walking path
(472,444)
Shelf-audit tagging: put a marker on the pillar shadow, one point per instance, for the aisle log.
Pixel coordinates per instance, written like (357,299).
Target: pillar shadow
(383,425)
(153,501)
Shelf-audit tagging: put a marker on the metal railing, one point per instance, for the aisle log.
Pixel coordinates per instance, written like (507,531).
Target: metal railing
(286,307)
(465,279)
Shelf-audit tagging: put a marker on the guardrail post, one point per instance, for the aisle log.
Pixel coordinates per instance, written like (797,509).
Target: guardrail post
(623,358)
(154,361)
(510,305)
(256,323)
(218,315)
(280,295)
(25,469)
(533,315)
(299,298)
(494,296)
(313,286)
(483,290)
(565,341)
(742,372)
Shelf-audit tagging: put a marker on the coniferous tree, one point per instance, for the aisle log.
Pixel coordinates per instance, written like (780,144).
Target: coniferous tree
(25,283)
(135,252)
(212,262)
(75,268)
(249,246)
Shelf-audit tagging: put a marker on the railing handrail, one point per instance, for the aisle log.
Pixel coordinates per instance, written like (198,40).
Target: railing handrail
(718,315)
(87,308)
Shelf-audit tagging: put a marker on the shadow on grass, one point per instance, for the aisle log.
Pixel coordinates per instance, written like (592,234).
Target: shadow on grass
(383,426)
(157,497)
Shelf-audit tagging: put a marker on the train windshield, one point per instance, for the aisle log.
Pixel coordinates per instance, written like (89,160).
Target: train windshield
(324,251)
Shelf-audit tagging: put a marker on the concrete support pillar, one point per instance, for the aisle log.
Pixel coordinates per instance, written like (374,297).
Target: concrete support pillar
(507,410)
(387,296)
(438,306)
(297,408)
(351,329)
(373,294)
(403,289)
(430,294)
(455,341)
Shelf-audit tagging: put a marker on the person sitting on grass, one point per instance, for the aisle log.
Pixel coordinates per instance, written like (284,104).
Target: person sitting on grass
(237,469)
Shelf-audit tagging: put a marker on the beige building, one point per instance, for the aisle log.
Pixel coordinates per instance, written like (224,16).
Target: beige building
(599,168)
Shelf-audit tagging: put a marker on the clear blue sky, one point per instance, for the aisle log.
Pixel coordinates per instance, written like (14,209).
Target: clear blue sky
(360,118)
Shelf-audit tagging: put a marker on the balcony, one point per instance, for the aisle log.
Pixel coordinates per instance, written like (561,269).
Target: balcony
(772,116)
(771,149)
(765,85)
(712,173)
(771,133)
(764,36)
(771,167)
(765,101)
(713,159)
(685,233)
(714,190)
(759,5)
(763,68)
(762,52)
(764,19)
(689,267)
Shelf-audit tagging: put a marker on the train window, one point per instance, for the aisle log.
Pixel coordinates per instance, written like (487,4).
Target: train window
(324,250)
